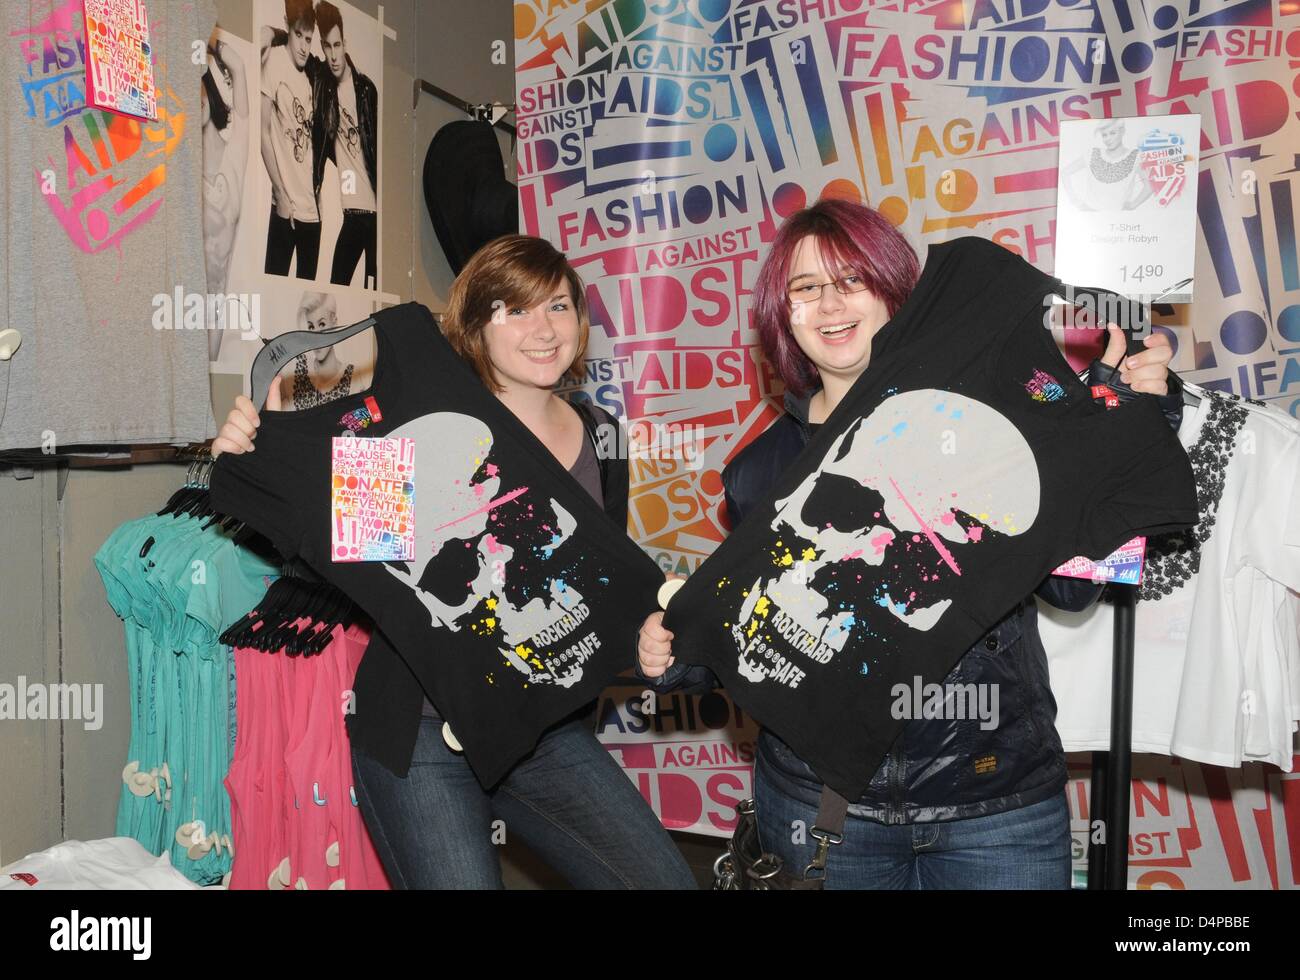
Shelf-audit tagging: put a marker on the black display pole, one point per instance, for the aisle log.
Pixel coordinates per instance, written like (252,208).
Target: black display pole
(1112,772)
(1097,816)
(1119,771)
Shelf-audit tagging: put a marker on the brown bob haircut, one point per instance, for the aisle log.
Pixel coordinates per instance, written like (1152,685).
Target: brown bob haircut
(509,272)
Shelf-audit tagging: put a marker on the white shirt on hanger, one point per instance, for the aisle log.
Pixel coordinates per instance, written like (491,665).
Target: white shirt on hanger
(1216,628)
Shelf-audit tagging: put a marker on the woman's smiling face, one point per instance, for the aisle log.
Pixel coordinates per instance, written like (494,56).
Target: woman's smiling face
(834,329)
(534,347)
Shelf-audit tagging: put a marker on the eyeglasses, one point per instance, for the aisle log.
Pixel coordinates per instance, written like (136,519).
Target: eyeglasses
(810,292)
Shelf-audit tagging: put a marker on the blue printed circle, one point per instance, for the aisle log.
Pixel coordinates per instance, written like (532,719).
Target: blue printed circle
(788,199)
(1165,18)
(697,205)
(714,9)
(548,154)
(1031,59)
(720,143)
(1288,323)
(1137,57)
(1243,332)
(1173,337)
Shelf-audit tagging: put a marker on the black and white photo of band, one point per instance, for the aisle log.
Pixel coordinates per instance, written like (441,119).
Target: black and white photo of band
(320,78)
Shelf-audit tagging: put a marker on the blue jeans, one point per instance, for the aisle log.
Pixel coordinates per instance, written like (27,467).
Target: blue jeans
(569,801)
(1027,847)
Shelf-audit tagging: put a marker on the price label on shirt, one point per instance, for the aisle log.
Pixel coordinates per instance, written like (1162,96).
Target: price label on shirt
(372,499)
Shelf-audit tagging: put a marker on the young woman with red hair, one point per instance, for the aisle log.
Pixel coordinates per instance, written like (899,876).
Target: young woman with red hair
(931,818)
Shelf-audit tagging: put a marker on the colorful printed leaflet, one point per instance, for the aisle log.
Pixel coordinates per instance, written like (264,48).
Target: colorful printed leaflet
(373,499)
(119,57)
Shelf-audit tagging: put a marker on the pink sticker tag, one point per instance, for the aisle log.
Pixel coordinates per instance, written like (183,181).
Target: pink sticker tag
(1123,565)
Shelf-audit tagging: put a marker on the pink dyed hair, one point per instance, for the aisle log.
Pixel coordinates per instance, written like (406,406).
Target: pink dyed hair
(848,235)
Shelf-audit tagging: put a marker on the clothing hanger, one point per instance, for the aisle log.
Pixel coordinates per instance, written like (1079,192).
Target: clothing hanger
(1193,393)
(266,614)
(1190,399)
(180,496)
(481,110)
(317,612)
(1139,313)
(284,348)
(181,500)
(286,625)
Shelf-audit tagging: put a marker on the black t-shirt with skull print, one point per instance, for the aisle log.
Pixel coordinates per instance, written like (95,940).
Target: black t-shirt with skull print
(965,464)
(522,596)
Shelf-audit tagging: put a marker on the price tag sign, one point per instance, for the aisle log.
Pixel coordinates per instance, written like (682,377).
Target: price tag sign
(1126,205)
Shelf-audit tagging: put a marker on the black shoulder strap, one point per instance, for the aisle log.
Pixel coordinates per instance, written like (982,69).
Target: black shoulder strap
(827,830)
(278,352)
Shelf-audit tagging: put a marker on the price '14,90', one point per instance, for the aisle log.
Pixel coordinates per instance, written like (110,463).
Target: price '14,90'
(1138,273)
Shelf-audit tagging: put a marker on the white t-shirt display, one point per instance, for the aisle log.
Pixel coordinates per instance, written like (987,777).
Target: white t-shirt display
(348,151)
(1216,656)
(110,864)
(1268,615)
(290,92)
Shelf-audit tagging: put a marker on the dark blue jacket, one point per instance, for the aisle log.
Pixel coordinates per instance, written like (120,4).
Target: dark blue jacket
(937,769)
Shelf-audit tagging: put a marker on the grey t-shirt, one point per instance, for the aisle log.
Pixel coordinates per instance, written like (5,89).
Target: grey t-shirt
(586,470)
(104,233)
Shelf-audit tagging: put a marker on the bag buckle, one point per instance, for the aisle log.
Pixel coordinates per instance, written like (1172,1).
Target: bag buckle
(767,866)
(825,838)
(724,874)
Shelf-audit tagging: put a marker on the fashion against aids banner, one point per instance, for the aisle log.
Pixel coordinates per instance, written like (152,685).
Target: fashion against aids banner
(691,756)
(661,143)
(1198,826)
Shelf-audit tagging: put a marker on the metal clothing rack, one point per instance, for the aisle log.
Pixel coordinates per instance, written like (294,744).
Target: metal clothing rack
(478,110)
(1112,771)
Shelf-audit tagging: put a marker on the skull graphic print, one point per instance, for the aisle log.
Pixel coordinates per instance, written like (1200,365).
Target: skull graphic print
(900,498)
(473,548)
